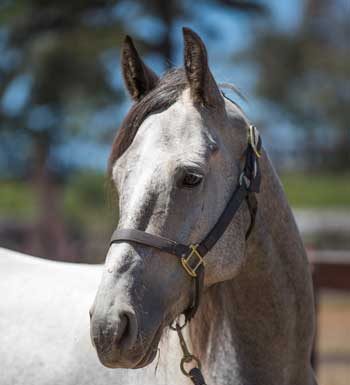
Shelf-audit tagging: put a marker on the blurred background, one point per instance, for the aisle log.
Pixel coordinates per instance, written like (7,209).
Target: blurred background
(62,99)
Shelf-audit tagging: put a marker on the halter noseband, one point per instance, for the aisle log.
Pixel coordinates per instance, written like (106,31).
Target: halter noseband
(192,256)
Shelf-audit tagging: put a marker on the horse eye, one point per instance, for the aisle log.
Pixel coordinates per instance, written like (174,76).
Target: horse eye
(191,180)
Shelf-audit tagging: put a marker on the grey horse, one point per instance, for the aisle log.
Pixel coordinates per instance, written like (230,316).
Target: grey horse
(174,164)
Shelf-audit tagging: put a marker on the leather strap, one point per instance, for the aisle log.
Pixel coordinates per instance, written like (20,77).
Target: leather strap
(253,209)
(197,376)
(148,239)
(224,220)
(179,249)
(198,283)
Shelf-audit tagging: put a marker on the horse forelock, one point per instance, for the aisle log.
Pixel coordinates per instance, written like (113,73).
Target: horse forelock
(168,90)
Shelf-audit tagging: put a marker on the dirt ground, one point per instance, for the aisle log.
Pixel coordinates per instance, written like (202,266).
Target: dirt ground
(334,339)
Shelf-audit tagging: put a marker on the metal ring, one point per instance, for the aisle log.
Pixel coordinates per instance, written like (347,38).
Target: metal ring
(253,139)
(177,323)
(245,178)
(187,360)
(255,169)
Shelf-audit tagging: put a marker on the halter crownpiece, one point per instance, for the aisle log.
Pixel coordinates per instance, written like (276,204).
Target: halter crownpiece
(192,256)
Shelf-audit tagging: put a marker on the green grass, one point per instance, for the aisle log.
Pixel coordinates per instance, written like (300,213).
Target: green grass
(16,200)
(317,190)
(85,199)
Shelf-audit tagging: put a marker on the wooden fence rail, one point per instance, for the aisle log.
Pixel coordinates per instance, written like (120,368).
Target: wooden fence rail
(330,270)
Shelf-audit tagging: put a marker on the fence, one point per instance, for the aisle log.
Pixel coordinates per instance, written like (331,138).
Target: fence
(330,270)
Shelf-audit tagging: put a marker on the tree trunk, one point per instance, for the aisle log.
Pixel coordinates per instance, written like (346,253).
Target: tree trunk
(49,238)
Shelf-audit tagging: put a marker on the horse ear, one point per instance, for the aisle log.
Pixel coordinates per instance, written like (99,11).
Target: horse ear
(138,78)
(204,89)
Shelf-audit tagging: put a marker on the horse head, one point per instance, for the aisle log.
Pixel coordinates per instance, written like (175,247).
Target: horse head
(175,163)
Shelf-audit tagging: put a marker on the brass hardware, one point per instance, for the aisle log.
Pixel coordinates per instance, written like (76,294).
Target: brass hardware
(253,139)
(185,261)
(244,178)
(187,356)
(175,324)
(183,362)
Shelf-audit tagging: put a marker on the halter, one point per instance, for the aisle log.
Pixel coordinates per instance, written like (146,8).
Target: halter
(192,256)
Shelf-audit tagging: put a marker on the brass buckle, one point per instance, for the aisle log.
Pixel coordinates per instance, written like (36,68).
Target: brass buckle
(185,261)
(253,139)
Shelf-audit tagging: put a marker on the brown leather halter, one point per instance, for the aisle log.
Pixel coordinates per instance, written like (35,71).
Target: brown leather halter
(192,256)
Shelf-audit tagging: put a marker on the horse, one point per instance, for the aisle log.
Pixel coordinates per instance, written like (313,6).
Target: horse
(186,163)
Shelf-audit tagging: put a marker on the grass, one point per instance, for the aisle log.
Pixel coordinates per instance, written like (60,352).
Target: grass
(16,200)
(85,199)
(317,190)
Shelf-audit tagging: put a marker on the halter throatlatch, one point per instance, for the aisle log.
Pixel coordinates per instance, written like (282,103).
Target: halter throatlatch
(192,256)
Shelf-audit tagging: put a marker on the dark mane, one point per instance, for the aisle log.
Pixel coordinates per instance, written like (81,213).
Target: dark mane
(168,89)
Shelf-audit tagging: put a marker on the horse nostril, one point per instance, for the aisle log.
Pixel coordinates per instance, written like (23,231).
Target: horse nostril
(121,330)
(125,332)
(118,331)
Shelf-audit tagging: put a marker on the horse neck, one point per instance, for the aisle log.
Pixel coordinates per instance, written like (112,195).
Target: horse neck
(258,327)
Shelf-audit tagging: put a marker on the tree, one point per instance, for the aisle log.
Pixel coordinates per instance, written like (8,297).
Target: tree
(305,74)
(53,55)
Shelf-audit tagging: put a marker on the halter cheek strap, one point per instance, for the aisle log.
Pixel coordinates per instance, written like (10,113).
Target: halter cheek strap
(192,256)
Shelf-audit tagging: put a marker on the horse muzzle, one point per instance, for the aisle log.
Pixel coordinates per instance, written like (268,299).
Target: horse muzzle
(114,336)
